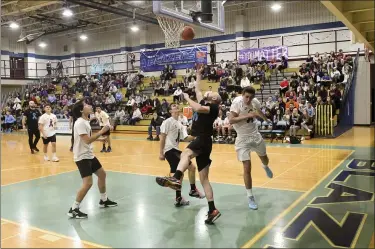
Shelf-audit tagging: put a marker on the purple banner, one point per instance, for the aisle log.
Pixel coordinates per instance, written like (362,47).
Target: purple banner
(267,52)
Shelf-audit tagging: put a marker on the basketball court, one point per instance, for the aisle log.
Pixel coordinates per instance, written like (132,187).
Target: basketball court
(321,195)
(300,207)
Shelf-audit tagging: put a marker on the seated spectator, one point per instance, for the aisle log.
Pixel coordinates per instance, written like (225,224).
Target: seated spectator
(130,104)
(270,103)
(307,122)
(217,126)
(136,116)
(284,87)
(323,93)
(155,123)
(177,95)
(118,96)
(245,82)
(9,121)
(283,65)
(119,116)
(227,128)
(335,75)
(310,110)
(185,123)
(295,122)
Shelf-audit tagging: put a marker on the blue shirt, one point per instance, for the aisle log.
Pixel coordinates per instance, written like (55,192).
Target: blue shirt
(9,119)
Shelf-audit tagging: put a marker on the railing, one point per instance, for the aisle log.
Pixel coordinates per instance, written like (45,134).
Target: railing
(300,45)
(346,115)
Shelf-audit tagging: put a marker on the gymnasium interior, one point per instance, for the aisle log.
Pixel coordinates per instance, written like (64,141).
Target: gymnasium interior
(306,60)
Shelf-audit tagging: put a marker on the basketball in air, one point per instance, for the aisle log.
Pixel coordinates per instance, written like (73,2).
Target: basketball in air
(188,33)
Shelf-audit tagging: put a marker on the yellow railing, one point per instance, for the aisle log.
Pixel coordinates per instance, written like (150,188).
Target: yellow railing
(324,120)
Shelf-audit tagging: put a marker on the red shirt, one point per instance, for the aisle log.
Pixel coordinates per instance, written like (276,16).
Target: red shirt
(284,84)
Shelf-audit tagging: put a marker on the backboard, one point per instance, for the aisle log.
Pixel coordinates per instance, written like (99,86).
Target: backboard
(180,9)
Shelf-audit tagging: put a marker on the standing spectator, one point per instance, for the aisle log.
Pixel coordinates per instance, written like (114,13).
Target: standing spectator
(49,68)
(213,52)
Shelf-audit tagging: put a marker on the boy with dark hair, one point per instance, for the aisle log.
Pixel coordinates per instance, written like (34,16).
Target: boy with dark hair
(85,160)
(47,127)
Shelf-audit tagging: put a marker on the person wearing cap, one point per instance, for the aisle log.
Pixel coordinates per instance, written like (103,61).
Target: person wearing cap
(30,121)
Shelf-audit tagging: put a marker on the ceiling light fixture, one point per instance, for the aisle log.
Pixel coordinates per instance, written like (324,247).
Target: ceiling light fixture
(42,45)
(276,7)
(67,13)
(83,37)
(134,28)
(14,25)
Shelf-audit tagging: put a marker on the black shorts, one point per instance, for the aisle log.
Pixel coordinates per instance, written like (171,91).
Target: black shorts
(51,139)
(107,133)
(202,147)
(87,167)
(173,158)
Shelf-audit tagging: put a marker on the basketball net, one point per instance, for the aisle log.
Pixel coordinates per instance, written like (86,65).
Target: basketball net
(172,29)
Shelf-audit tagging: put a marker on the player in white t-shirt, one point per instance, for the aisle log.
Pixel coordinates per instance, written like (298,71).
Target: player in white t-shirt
(243,111)
(171,132)
(104,120)
(47,127)
(85,159)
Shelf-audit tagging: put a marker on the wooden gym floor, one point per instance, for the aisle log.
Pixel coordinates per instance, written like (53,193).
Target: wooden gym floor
(322,195)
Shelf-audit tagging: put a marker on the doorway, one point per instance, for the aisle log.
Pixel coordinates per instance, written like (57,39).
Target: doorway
(17,68)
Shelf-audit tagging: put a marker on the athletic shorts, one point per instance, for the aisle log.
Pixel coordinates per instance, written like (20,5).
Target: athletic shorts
(87,167)
(51,139)
(173,158)
(202,147)
(246,144)
(107,133)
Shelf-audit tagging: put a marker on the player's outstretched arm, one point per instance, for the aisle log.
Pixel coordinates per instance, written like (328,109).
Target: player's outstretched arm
(198,90)
(196,107)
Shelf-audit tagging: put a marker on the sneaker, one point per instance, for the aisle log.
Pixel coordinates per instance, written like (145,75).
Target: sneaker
(150,138)
(268,171)
(103,150)
(169,182)
(71,149)
(36,149)
(180,201)
(55,159)
(32,151)
(252,203)
(157,138)
(195,193)
(107,203)
(46,158)
(211,217)
(76,214)
(109,149)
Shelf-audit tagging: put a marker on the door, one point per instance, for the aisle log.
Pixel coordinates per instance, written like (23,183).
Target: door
(17,68)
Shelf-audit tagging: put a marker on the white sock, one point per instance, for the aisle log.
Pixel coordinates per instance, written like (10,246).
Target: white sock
(75,205)
(103,196)
(264,166)
(249,192)
(53,155)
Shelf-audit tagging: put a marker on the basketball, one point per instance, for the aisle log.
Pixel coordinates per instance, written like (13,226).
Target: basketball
(188,33)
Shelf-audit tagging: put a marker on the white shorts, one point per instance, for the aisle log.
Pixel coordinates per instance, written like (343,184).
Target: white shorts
(246,144)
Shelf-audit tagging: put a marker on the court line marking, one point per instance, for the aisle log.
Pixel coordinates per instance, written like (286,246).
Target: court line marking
(225,183)
(38,178)
(287,170)
(55,234)
(270,225)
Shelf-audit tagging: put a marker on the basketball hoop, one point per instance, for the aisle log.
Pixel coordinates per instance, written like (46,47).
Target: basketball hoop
(172,29)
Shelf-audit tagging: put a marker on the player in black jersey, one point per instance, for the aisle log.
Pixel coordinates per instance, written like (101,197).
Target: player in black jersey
(205,114)
(30,120)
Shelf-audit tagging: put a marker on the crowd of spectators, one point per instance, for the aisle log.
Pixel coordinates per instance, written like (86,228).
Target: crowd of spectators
(293,107)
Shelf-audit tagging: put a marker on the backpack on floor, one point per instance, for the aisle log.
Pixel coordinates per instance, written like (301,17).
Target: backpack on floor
(295,140)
